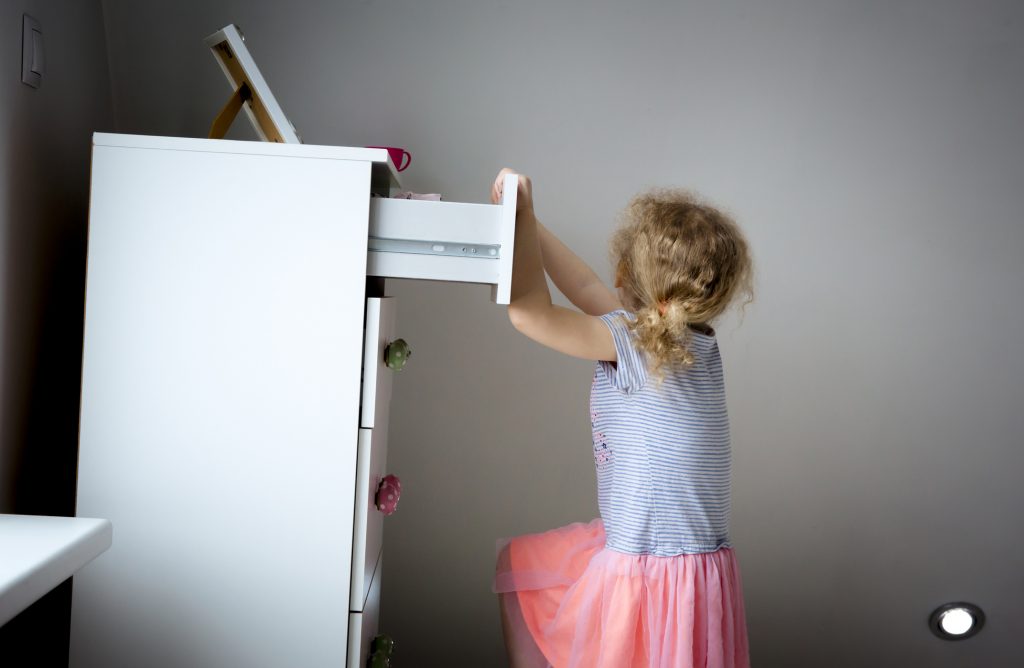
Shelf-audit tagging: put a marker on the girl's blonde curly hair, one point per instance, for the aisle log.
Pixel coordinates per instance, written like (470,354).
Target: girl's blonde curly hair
(679,262)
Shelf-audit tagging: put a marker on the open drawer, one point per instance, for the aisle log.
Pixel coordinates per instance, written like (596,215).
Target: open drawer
(445,241)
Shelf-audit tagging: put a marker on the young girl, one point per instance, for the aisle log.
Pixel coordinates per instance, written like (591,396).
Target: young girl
(654,582)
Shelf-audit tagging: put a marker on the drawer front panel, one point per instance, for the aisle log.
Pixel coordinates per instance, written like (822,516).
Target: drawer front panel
(368,533)
(377,377)
(363,626)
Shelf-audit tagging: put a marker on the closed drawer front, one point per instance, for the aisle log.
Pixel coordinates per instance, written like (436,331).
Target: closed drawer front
(368,524)
(377,376)
(363,626)
(445,241)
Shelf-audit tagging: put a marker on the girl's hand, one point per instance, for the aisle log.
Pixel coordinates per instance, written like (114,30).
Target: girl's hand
(524,199)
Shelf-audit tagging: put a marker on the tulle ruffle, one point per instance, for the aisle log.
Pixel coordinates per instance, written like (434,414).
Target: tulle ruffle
(588,606)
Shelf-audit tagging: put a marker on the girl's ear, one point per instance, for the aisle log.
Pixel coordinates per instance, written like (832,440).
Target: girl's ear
(618,274)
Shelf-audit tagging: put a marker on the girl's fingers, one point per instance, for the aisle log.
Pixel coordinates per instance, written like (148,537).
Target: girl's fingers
(499,184)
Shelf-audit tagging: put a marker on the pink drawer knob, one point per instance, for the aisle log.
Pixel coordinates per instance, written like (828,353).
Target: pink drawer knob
(388,492)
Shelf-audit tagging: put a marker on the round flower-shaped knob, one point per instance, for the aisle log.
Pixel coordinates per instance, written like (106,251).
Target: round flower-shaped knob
(396,354)
(388,492)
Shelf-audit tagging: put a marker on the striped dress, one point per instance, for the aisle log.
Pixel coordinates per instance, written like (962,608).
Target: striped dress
(654,581)
(661,452)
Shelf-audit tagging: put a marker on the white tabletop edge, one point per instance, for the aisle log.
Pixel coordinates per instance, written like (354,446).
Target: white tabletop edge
(38,552)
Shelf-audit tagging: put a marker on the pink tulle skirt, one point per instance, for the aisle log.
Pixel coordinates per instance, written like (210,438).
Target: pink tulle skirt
(590,607)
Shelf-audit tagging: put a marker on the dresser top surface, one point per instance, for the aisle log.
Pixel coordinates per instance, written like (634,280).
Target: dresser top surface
(378,156)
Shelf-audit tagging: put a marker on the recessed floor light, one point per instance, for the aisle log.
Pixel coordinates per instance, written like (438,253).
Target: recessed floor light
(956,621)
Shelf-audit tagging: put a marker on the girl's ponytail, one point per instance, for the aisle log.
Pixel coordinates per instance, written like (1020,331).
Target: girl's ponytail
(662,332)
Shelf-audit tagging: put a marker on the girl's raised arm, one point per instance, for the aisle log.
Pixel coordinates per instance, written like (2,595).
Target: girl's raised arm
(574,277)
(530,308)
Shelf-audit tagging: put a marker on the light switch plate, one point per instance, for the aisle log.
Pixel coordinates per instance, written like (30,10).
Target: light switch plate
(31,51)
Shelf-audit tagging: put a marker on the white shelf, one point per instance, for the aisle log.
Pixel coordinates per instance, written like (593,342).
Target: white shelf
(39,552)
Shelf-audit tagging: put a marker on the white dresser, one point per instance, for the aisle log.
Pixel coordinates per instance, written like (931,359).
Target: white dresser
(235,395)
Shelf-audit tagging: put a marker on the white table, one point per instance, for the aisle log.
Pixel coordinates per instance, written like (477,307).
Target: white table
(39,552)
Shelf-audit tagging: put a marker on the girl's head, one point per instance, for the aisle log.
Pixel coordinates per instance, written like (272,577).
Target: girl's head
(679,262)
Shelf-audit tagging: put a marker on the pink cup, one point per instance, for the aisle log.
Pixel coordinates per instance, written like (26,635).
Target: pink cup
(399,156)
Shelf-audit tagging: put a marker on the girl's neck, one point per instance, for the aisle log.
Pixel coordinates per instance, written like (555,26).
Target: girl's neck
(702,328)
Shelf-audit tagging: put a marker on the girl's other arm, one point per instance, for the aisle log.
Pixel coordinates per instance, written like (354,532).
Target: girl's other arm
(574,277)
(530,308)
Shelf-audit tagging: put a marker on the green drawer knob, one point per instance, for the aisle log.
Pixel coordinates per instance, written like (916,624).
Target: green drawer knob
(396,354)
(380,651)
(384,644)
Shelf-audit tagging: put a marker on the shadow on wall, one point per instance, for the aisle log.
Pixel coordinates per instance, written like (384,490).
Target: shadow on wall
(43,279)
(44,290)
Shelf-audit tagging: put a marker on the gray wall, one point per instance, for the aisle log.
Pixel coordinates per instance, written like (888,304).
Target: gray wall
(44,185)
(870,149)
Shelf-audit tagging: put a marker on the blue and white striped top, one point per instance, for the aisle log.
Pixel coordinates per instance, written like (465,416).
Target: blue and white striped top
(662,453)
